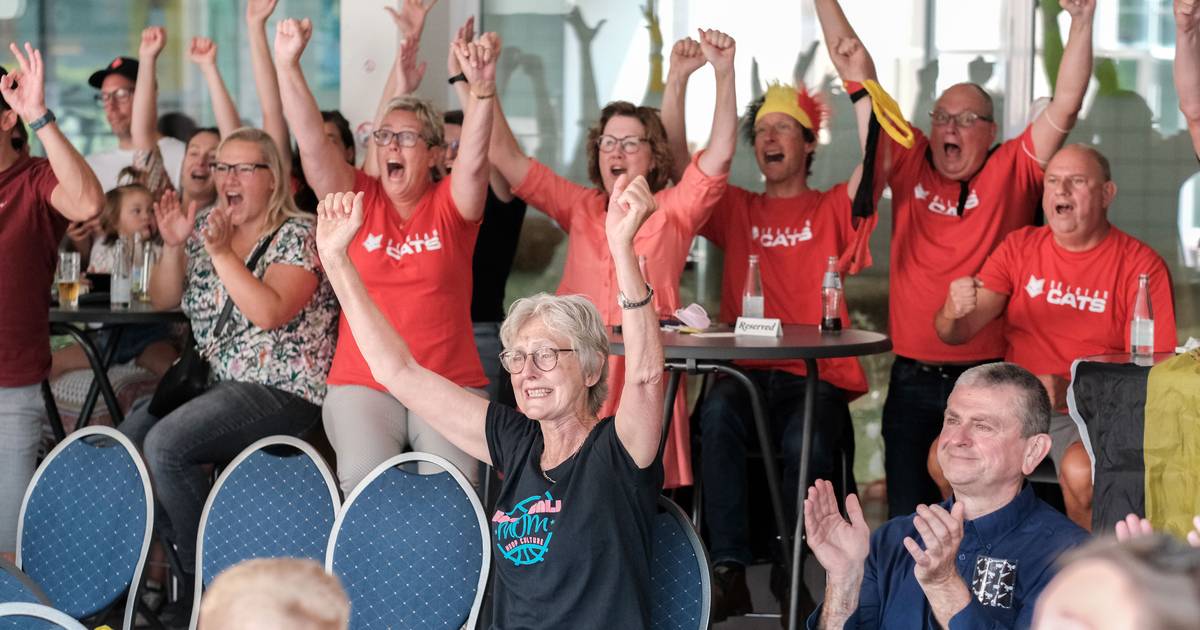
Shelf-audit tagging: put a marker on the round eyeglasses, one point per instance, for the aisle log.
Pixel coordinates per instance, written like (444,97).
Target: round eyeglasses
(545,359)
(628,144)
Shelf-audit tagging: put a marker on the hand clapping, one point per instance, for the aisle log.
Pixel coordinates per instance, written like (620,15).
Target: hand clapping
(339,217)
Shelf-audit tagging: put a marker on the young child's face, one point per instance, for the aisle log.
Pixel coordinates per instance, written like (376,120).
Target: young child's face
(136,215)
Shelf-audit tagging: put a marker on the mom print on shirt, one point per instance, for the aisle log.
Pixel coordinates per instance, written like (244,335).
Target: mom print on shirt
(523,534)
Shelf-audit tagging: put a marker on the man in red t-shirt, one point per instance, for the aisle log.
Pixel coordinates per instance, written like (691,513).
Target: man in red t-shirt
(37,197)
(1066,290)
(955,197)
(793,229)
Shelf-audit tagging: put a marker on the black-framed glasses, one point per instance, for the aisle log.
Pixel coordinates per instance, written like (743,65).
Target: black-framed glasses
(545,359)
(452,145)
(628,144)
(245,168)
(962,120)
(406,138)
(119,95)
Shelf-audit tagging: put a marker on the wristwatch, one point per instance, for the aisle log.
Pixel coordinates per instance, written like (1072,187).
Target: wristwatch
(46,119)
(624,302)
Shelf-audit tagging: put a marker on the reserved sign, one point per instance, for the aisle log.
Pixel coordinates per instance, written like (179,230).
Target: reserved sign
(759,327)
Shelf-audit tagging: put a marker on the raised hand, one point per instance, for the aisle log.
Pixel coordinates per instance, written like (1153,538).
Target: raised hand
(465,35)
(410,19)
(963,297)
(630,204)
(339,217)
(291,36)
(173,225)
(25,89)
(841,547)
(718,49)
(1133,526)
(1079,9)
(478,62)
(851,59)
(202,52)
(218,233)
(258,11)
(686,57)
(941,531)
(1187,15)
(154,39)
(408,72)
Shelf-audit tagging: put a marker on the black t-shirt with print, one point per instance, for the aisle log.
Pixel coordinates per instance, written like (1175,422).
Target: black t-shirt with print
(574,553)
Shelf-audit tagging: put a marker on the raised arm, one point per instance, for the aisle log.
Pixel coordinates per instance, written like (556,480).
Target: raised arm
(686,58)
(266,83)
(174,226)
(719,49)
(854,65)
(968,308)
(1051,127)
(203,53)
(78,195)
(504,152)
(1187,65)
(469,181)
(144,127)
(453,411)
(269,302)
(324,167)
(406,74)
(836,29)
(638,418)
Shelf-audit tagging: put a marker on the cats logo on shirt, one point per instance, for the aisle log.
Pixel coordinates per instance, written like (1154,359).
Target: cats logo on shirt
(412,244)
(781,237)
(994,581)
(946,207)
(1059,294)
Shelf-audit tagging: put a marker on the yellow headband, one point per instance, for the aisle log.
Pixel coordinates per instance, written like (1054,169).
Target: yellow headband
(785,99)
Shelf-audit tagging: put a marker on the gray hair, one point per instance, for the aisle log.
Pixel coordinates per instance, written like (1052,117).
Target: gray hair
(1033,404)
(1163,572)
(576,318)
(432,128)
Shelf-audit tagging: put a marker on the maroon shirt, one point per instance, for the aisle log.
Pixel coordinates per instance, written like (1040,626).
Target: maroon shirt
(30,230)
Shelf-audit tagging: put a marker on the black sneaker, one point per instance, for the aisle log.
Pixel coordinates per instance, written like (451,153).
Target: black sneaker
(781,589)
(730,595)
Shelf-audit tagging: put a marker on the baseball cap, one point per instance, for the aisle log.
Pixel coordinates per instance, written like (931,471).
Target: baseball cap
(124,66)
(3,103)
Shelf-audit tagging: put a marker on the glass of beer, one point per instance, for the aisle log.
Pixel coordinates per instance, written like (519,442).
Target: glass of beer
(68,280)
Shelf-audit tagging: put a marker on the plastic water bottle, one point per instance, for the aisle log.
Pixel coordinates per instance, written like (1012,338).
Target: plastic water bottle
(1141,328)
(120,287)
(752,292)
(831,298)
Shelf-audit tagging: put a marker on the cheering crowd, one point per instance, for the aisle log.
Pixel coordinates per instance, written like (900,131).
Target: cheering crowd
(368,301)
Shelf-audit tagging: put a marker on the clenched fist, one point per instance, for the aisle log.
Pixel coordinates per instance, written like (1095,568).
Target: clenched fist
(963,297)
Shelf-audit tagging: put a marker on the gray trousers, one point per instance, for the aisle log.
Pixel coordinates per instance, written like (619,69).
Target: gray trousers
(22,412)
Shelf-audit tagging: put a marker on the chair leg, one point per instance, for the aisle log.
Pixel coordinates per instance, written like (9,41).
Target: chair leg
(56,424)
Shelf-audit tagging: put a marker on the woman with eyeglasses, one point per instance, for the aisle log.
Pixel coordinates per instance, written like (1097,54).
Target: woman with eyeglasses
(572,526)
(413,251)
(630,140)
(246,274)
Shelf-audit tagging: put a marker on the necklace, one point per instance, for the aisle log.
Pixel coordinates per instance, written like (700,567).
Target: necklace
(567,459)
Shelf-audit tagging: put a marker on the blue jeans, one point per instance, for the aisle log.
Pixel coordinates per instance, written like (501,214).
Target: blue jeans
(912,420)
(209,429)
(727,427)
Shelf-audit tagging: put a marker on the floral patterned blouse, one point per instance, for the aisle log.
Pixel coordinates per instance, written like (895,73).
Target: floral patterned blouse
(294,357)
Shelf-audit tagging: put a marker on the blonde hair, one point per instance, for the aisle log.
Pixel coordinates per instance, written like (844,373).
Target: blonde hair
(433,131)
(576,318)
(275,594)
(280,206)
(110,216)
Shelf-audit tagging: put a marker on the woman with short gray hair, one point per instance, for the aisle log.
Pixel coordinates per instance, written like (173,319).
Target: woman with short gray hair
(572,527)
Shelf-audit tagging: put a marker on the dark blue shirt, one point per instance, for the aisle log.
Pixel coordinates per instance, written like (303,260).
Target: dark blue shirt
(1006,558)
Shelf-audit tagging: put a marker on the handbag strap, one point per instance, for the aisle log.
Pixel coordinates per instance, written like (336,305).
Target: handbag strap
(227,311)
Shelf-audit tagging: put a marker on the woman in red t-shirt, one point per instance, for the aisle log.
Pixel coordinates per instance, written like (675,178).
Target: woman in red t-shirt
(631,140)
(413,250)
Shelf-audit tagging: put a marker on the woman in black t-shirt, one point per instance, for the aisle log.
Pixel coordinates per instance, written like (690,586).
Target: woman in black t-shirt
(572,530)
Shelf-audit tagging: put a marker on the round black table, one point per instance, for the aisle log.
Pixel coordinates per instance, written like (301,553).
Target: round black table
(67,321)
(697,354)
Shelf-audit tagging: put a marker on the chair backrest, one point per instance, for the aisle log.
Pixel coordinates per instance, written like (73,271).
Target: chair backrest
(11,610)
(680,588)
(411,549)
(86,521)
(15,586)
(276,499)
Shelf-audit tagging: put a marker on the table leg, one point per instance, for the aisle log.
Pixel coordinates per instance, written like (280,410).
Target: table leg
(100,383)
(810,399)
(768,453)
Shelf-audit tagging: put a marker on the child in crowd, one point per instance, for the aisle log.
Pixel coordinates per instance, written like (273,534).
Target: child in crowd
(275,594)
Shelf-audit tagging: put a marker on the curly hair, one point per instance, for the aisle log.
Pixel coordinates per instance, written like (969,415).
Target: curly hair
(656,135)
(748,135)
